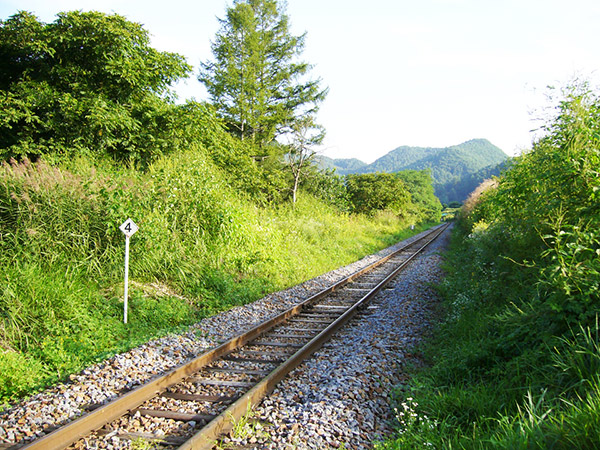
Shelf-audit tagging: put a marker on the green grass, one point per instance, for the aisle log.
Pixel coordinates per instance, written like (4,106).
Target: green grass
(515,363)
(496,376)
(206,247)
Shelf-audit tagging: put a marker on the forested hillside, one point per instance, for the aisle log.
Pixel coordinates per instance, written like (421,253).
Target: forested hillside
(342,166)
(462,187)
(457,159)
(515,362)
(455,170)
(228,205)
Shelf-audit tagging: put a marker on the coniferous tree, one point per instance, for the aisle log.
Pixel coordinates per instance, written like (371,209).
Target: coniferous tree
(255,80)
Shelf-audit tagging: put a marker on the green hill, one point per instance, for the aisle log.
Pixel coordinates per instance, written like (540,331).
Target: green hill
(455,170)
(462,187)
(342,166)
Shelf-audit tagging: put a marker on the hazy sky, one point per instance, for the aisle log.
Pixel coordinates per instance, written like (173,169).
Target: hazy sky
(419,72)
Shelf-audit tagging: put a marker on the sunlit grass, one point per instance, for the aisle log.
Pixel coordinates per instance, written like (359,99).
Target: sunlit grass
(515,362)
(61,257)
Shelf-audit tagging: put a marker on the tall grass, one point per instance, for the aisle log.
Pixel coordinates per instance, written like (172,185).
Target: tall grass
(202,242)
(515,363)
(497,377)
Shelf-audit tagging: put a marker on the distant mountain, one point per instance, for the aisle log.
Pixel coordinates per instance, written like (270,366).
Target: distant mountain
(342,166)
(455,170)
(460,189)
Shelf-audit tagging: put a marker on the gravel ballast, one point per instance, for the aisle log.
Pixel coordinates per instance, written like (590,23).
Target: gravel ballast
(339,398)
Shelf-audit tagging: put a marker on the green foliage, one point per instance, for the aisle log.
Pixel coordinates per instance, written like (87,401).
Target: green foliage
(86,84)
(515,363)
(547,203)
(571,280)
(542,424)
(304,136)
(202,247)
(426,206)
(89,84)
(408,194)
(261,178)
(378,192)
(456,171)
(327,186)
(20,373)
(576,358)
(143,444)
(254,80)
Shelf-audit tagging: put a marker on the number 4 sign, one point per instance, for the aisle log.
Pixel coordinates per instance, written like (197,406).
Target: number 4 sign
(128,228)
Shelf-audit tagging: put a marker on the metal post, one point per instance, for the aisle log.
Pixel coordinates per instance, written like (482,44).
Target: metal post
(126,278)
(128,228)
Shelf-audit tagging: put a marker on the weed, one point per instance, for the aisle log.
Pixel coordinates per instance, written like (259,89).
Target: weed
(247,426)
(202,248)
(142,444)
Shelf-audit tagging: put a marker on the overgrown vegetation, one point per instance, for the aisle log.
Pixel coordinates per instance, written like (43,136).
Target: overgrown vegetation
(89,136)
(408,194)
(377,191)
(516,361)
(88,83)
(210,249)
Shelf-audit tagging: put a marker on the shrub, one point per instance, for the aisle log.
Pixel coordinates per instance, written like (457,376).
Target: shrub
(515,363)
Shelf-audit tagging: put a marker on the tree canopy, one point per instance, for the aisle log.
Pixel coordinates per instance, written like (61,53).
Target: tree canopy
(425,205)
(88,83)
(255,80)
(373,192)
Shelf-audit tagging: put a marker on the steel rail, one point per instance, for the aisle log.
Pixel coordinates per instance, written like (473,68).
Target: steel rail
(96,419)
(207,437)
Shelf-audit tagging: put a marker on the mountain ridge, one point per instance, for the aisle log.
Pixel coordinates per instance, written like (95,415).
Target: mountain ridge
(454,169)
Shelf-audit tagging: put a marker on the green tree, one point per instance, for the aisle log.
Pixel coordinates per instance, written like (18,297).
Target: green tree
(371,192)
(255,80)
(87,83)
(327,185)
(426,206)
(305,135)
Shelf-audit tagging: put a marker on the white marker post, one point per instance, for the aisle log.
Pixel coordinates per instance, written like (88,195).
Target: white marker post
(128,228)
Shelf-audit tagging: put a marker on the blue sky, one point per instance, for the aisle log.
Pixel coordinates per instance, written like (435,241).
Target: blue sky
(401,72)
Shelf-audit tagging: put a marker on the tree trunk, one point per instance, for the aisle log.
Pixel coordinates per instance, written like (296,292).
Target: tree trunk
(295,189)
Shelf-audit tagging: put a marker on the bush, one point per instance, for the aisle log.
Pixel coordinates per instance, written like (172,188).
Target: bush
(515,362)
(202,248)
(373,192)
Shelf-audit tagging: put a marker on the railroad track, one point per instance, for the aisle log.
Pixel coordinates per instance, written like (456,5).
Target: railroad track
(200,401)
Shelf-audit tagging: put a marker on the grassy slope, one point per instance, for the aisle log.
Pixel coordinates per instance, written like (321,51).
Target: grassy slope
(493,381)
(515,363)
(62,257)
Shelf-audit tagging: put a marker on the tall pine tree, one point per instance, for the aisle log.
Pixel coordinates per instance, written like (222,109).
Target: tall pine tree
(255,80)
